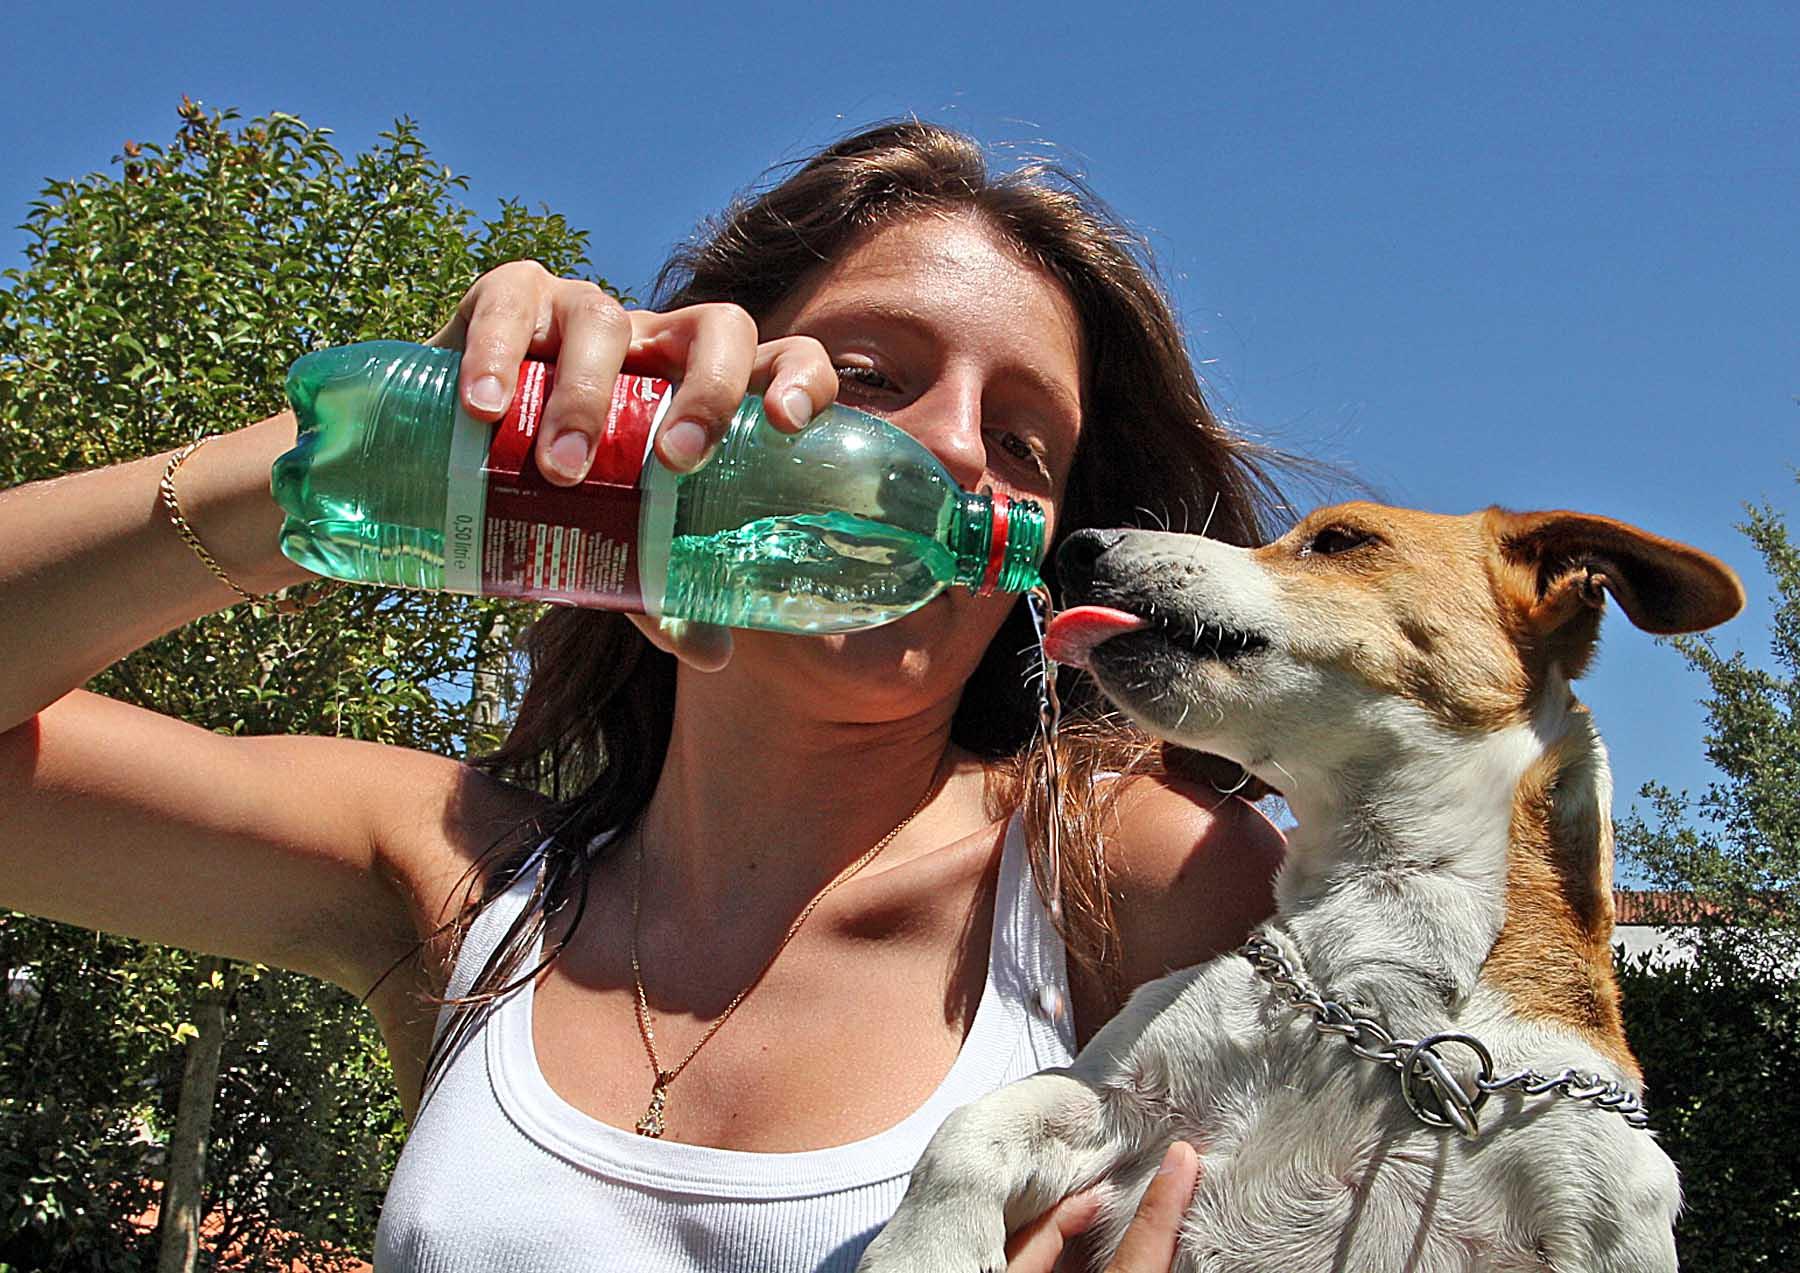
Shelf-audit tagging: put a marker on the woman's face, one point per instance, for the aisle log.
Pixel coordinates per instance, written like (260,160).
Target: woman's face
(940,326)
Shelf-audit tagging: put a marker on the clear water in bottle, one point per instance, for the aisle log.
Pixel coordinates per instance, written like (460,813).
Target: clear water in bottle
(363,481)
(827,572)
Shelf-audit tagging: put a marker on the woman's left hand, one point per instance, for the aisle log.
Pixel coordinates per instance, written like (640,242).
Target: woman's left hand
(1148,1245)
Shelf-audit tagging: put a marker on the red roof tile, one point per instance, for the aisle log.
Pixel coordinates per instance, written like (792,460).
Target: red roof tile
(1637,906)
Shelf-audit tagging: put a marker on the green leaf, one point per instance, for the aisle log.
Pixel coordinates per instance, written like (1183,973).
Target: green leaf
(150,308)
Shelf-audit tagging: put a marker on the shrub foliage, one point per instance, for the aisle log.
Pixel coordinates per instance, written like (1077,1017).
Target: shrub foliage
(1719,1036)
(160,301)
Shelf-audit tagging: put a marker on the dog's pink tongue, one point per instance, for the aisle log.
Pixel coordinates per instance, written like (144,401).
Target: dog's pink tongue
(1073,634)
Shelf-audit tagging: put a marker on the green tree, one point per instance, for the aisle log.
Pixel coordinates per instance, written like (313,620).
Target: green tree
(1719,1032)
(1736,848)
(160,302)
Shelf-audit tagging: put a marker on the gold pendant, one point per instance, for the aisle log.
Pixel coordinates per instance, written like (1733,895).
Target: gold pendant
(651,1124)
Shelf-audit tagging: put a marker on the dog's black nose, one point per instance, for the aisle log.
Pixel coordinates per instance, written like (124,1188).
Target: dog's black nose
(1075,561)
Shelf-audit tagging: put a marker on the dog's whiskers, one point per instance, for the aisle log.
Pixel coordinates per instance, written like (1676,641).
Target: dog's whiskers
(1156,519)
(1209,514)
(1242,782)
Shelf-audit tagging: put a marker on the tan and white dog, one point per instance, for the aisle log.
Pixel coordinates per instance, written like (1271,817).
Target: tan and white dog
(1403,680)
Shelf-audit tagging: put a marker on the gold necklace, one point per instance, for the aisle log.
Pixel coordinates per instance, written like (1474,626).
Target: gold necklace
(651,1124)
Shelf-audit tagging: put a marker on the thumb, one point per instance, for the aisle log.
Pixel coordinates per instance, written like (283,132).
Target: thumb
(1149,1245)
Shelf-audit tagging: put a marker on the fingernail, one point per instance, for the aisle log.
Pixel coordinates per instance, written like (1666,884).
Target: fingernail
(487,394)
(799,406)
(684,445)
(569,453)
(1168,1162)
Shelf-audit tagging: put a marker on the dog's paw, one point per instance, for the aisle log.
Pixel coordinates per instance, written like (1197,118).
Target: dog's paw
(914,1242)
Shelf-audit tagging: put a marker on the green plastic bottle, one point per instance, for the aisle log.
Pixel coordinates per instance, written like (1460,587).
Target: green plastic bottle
(848,524)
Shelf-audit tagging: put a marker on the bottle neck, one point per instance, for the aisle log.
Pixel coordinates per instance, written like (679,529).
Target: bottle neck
(997,541)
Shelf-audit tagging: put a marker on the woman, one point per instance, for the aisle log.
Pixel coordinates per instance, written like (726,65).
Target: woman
(781,912)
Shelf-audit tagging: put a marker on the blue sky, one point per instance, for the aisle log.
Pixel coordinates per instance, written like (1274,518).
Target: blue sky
(1539,255)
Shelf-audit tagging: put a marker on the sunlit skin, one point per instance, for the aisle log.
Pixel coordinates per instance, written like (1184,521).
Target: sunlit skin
(940,327)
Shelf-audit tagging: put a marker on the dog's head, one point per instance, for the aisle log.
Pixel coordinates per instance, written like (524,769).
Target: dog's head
(1363,619)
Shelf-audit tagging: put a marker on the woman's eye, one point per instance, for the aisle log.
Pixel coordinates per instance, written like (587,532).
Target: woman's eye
(1021,450)
(1017,447)
(863,377)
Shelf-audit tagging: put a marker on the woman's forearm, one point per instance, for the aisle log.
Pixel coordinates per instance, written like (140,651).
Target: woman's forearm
(91,569)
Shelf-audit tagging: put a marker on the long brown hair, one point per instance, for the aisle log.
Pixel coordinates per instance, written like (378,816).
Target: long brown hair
(594,722)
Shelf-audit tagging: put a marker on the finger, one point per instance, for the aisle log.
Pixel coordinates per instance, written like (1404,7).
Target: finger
(709,351)
(1036,1247)
(795,376)
(704,647)
(590,332)
(1149,1244)
(450,335)
(498,321)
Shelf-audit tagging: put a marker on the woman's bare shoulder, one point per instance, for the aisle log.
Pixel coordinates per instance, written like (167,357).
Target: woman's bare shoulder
(1193,872)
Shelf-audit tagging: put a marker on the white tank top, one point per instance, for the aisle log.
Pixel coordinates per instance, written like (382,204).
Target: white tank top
(500,1173)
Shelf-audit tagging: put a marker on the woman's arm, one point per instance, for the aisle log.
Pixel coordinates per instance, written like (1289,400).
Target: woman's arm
(117,818)
(93,569)
(319,854)
(322,855)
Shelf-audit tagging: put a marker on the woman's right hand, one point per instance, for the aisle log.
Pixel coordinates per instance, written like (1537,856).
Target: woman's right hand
(711,352)
(520,310)
(1149,1243)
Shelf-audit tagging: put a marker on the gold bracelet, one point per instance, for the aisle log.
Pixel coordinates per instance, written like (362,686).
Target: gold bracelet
(279,604)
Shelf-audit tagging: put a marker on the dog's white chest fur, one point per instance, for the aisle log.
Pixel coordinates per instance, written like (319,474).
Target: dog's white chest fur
(1312,1161)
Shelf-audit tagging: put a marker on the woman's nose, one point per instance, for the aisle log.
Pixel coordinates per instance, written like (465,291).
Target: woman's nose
(948,422)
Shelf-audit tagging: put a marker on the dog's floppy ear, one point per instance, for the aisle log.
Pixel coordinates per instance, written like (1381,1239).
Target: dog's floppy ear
(1663,587)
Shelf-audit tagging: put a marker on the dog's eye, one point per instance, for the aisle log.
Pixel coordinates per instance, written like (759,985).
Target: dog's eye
(1336,539)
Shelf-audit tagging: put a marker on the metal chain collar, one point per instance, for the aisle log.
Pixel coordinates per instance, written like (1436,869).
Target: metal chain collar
(1430,1089)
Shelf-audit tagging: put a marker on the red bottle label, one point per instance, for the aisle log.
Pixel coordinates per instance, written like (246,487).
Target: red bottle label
(571,545)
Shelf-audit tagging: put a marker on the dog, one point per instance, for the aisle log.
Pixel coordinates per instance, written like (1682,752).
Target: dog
(1418,1063)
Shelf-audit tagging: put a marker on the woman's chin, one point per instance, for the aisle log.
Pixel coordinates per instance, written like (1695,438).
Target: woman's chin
(903,666)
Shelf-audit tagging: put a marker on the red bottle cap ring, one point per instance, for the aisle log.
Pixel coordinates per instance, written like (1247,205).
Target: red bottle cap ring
(996,547)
